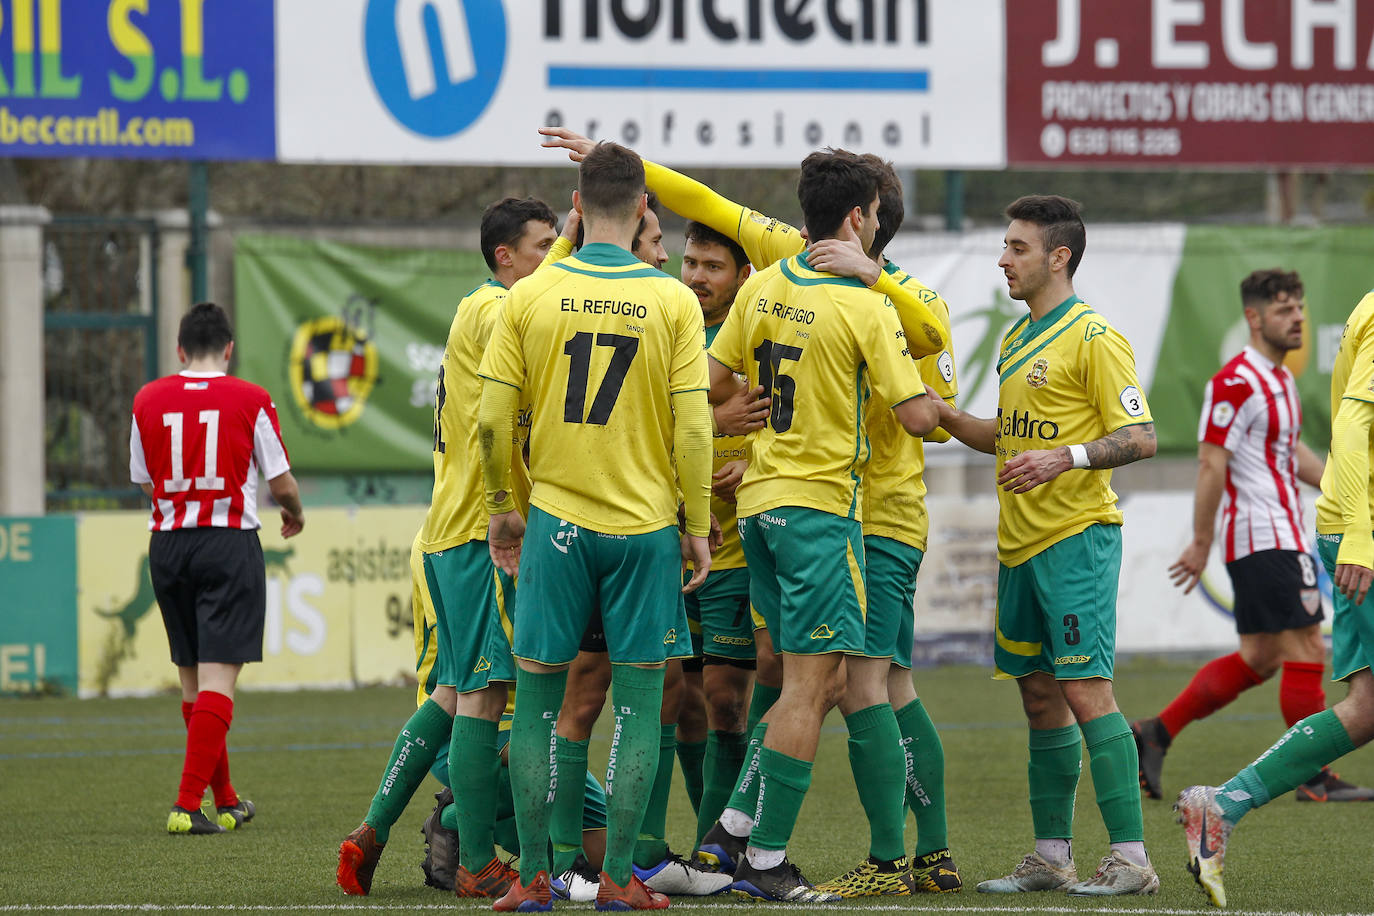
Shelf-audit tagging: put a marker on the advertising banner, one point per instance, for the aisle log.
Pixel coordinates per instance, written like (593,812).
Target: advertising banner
(956,594)
(38,624)
(1174,292)
(1252,83)
(338,603)
(733,82)
(130,79)
(348,339)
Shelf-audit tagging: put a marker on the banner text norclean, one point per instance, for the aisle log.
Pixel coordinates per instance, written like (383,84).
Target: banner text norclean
(705,82)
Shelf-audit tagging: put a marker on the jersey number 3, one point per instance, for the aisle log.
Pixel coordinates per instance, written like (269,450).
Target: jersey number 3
(579,348)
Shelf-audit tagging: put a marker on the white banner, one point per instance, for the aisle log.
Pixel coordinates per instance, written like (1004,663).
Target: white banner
(690,82)
(956,595)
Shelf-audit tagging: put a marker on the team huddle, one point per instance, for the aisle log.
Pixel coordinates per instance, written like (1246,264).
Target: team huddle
(704,500)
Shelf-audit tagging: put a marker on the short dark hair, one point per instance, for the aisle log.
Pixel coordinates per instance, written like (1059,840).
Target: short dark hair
(703,234)
(204,330)
(891,209)
(610,180)
(643,220)
(1264,286)
(503,223)
(833,182)
(1060,222)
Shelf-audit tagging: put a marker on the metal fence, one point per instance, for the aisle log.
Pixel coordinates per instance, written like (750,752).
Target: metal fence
(100,345)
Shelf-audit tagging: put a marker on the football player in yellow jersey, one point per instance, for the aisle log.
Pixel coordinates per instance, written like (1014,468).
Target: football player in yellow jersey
(819,344)
(895,525)
(1069,409)
(589,679)
(620,347)
(1345,541)
(472,652)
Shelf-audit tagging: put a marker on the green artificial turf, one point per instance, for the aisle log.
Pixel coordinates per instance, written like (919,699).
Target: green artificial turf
(85,787)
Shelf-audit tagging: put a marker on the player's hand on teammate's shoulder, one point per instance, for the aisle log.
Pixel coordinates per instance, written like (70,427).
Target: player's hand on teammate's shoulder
(1187,569)
(725,481)
(1028,470)
(577,145)
(505,533)
(743,412)
(291,522)
(844,257)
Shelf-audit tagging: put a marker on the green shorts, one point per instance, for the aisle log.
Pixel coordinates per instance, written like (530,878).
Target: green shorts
(566,571)
(718,615)
(890,569)
(471,609)
(1352,626)
(806,579)
(1056,612)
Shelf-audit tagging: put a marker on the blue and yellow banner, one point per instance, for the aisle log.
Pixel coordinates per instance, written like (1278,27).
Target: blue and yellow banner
(139,79)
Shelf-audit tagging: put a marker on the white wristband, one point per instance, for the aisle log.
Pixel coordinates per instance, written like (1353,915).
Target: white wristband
(1079,455)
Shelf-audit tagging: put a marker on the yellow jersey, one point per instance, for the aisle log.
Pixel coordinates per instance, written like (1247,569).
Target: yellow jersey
(457,510)
(817,343)
(599,343)
(894,487)
(725,449)
(1351,378)
(766,240)
(1067,378)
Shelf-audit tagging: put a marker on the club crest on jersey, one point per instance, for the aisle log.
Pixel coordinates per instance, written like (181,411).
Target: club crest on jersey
(1222,414)
(332,365)
(1039,373)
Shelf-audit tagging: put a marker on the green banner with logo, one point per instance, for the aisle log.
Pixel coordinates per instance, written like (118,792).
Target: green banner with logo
(348,339)
(1205,326)
(38,624)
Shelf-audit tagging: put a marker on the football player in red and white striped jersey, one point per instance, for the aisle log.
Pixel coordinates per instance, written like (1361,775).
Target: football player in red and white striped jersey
(198,441)
(1250,461)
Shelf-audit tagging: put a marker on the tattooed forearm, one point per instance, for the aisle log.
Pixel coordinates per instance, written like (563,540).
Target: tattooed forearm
(1130,443)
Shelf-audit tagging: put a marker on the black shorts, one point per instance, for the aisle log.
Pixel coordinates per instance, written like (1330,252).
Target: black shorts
(1275,590)
(212,589)
(594,637)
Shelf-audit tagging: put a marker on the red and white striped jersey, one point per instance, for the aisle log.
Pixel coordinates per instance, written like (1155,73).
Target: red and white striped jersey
(1251,409)
(200,438)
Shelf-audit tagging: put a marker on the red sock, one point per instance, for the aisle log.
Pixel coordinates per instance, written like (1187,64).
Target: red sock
(1217,683)
(225,796)
(1300,690)
(209,723)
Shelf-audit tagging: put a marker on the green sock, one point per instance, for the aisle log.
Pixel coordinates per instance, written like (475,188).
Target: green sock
(476,763)
(724,757)
(1115,766)
(416,747)
(784,782)
(634,762)
(651,848)
(763,699)
(533,776)
(925,777)
(879,764)
(691,755)
(745,795)
(1056,758)
(506,834)
(565,824)
(1302,751)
